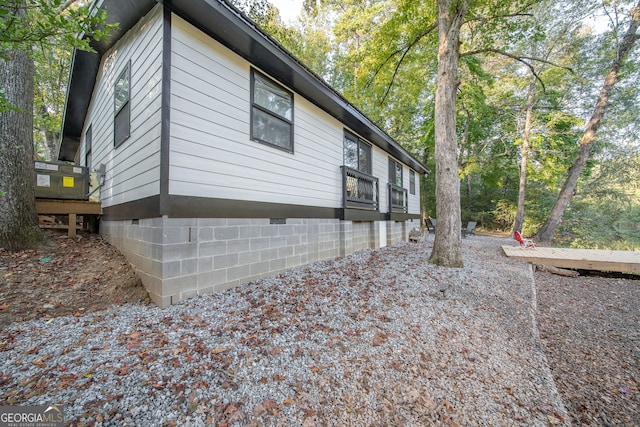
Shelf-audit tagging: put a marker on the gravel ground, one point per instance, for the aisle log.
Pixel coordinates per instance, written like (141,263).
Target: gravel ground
(376,338)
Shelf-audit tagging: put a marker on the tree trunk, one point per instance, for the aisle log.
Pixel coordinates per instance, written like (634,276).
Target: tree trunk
(548,229)
(18,219)
(518,223)
(447,247)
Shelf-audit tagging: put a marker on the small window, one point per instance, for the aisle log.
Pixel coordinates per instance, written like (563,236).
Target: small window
(395,172)
(357,153)
(88,142)
(412,182)
(271,113)
(122,109)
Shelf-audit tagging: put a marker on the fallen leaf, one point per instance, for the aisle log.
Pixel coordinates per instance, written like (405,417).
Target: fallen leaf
(123,370)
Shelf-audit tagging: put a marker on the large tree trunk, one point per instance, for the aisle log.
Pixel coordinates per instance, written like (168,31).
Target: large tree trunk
(518,223)
(447,248)
(18,218)
(547,231)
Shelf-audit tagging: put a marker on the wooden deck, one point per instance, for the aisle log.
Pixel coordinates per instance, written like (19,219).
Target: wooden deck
(583,259)
(68,207)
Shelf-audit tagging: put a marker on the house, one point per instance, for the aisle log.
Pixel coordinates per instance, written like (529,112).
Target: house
(223,159)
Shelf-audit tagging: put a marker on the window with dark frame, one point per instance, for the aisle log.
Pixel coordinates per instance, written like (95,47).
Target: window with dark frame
(88,142)
(122,106)
(395,172)
(412,182)
(357,153)
(271,112)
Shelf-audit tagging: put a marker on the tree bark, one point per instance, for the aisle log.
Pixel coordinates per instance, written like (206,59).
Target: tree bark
(447,247)
(518,222)
(547,232)
(18,218)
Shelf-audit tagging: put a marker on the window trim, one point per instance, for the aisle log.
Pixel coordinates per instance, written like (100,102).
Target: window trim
(118,140)
(360,142)
(265,110)
(88,145)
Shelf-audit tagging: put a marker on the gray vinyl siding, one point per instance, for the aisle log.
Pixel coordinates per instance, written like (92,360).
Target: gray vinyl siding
(132,169)
(211,152)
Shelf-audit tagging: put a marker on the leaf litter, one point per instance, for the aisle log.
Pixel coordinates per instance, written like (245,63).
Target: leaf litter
(369,339)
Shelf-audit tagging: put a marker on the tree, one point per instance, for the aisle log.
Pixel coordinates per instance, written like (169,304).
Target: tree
(447,248)
(547,231)
(524,154)
(18,218)
(50,82)
(25,24)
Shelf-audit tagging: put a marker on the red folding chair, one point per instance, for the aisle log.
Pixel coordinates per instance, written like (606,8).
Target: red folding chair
(525,243)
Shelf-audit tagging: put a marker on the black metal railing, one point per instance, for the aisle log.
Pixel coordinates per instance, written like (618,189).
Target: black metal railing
(359,190)
(398,201)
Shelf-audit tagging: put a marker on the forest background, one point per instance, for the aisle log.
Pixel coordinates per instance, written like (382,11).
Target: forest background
(382,57)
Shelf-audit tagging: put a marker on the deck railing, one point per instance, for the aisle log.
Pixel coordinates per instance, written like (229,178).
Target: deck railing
(359,190)
(398,201)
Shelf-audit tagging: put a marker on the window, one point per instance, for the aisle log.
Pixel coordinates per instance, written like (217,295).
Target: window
(412,182)
(357,153)
(395,172)
(271,113)
(122,106)
(88,141)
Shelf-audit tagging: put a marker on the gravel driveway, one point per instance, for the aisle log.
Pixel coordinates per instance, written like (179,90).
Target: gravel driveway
(376,338)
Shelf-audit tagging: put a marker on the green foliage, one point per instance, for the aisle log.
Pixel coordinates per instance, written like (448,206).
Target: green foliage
(381,54)
(42,27)
(29,23)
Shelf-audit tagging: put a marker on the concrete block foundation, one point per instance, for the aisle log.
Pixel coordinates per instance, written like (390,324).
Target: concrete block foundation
(178,258)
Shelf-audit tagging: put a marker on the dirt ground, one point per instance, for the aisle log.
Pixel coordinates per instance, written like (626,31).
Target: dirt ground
(589,325)
(71,277)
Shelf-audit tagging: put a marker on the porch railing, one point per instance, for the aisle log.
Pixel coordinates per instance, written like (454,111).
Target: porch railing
(398,201)
(359,190)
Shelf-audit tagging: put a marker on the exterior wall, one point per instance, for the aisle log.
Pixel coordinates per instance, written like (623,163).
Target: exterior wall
(178,258)
(211,152)
(211,156)
(132,169)
(380,169)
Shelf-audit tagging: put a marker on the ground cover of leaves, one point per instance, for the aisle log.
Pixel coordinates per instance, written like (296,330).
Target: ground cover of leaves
(68,276)
(377,338)
(591,328)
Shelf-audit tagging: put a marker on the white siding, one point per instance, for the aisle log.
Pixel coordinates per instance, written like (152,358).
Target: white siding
(211,152)
(380,170)
(133,170)
(414,199)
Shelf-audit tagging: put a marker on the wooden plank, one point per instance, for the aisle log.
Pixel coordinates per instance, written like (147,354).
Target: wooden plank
(72,225)
(66,207)
(584,259)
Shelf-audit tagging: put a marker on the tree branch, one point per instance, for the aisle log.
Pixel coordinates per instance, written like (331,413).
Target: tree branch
(405,51)
(521,59)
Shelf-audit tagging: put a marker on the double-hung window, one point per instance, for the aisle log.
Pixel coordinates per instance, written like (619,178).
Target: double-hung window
(271,112)
(412,182)
(395,172)
(122,106)
(357,153)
